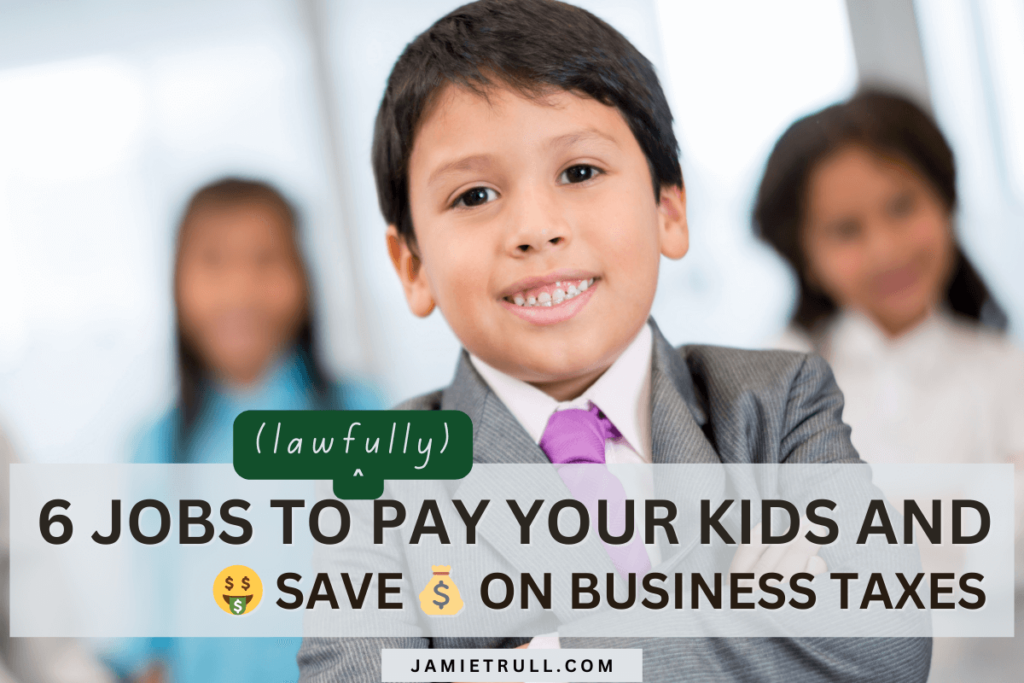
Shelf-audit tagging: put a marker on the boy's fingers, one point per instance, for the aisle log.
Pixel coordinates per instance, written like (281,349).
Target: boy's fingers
(816,566)
(771,559)
(797,555)
(745,558)
(748,554)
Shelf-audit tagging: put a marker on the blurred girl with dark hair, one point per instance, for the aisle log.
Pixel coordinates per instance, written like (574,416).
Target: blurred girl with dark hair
(246,340)
(860,199)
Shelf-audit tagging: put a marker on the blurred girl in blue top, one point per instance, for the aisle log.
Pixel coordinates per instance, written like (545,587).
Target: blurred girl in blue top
(246,340)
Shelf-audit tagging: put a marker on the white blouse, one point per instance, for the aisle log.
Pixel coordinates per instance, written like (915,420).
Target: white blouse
(948,391)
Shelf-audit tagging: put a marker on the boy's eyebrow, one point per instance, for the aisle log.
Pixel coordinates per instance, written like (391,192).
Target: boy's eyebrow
(470,163)
(570,139)
(479,161)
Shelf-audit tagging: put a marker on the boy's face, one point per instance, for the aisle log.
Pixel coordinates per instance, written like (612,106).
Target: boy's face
(537,232)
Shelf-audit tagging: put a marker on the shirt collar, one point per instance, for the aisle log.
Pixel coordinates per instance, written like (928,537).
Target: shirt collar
(623,393)
(855,335)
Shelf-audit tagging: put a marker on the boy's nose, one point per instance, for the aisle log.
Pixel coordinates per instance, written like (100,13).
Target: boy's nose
(537,240)
(537,226)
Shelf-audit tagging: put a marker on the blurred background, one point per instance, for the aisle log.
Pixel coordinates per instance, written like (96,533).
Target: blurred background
(112,112)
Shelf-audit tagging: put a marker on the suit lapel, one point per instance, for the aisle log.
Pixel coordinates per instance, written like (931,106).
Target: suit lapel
(499,439)
(677,438)
(676,412)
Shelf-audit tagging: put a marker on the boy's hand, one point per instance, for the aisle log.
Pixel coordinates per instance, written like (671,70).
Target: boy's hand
(799,555)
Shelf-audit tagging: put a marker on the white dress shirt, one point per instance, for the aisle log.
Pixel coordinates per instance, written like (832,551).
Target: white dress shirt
(623,394)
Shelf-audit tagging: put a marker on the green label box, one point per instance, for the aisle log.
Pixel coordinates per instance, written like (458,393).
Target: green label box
(357,449)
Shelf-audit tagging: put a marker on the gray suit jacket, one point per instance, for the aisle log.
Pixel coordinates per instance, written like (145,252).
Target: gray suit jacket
(709,405)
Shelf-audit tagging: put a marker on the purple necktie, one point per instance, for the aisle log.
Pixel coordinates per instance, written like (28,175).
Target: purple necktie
(574,442)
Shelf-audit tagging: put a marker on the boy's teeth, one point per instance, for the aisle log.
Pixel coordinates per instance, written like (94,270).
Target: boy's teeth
(564,290)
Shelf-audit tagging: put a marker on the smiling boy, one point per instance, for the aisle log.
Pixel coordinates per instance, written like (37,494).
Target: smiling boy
(520,201)
(527,168)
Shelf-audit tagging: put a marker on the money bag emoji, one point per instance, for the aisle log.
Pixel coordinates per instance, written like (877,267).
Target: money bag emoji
(441,596)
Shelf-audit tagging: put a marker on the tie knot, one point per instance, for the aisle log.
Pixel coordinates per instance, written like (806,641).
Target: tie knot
(577,436)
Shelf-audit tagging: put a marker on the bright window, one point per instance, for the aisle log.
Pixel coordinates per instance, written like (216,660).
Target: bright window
(111,115)
(737,74)
(1003,25)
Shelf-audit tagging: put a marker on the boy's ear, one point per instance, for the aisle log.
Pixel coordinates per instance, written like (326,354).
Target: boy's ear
(411,274)
(673,231)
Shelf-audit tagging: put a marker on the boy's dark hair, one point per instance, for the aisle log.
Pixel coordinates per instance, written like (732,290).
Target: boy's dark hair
(886,124)
(193,373)
(529,45)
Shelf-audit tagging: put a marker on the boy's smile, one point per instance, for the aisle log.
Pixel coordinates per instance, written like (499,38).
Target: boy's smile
(552,299)
(537,232)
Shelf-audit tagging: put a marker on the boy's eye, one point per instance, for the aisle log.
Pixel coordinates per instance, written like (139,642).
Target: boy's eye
(579,174)
(476,197)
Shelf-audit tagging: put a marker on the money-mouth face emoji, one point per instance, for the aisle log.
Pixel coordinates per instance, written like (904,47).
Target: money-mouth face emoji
(237,590)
